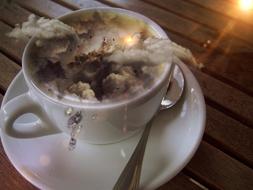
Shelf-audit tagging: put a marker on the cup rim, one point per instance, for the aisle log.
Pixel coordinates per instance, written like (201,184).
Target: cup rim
(139,99)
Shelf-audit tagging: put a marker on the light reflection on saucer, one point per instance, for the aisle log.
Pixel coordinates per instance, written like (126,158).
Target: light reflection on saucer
(44,160)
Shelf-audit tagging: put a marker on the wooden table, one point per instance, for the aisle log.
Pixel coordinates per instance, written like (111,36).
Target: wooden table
(219,35)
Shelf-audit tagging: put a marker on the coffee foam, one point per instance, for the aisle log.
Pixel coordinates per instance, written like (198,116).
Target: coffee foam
(104,28)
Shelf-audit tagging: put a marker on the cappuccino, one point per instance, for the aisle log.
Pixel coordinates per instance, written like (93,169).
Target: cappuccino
(101,57)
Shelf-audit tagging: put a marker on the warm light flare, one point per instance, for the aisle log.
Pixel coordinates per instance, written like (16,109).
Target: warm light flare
(246,5)
(130,40)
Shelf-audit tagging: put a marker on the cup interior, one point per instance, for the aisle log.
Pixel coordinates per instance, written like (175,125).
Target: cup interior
(140,98)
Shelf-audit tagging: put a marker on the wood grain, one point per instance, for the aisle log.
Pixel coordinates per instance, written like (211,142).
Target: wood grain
(76,4)
(230,135)
(13,14)
(10,46)
(193,30)
(180,182)
(233,69)
(207,18)
(8,71)
(225,130)
(46,8)
(219,170)
(225,8)
(1,98)
(9,177)
(173,22)
(238,103)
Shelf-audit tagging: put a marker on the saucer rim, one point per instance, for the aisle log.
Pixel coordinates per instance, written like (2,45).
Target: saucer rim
(158,181)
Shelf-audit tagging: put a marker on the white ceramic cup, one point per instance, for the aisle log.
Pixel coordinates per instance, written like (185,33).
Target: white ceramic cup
(101,123)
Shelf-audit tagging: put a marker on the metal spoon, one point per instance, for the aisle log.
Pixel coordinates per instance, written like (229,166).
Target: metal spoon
(130,176)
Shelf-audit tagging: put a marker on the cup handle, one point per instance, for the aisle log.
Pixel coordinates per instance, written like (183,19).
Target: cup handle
(25,104)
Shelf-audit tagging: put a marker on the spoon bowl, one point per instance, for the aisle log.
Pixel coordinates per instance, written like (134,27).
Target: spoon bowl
(175,88)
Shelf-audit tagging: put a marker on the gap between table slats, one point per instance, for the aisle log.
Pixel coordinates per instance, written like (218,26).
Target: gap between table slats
(193,30)
(12,47)
(217,170)
(10,179)
(1,97)
(197,31)
(224,8)
(8,70)
(78,4)
(206,18)
(229,135)
(181,182)
(229,100)
(213,64)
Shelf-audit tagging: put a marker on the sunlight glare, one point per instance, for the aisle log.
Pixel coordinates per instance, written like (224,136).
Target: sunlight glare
(246,5)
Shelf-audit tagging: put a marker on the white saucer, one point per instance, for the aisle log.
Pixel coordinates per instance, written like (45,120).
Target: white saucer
(47,163)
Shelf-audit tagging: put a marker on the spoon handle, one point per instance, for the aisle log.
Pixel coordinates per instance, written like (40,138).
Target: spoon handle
(129,179)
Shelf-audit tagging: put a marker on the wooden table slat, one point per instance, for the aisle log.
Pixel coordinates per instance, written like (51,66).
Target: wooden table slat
(219,170)
(226,8)
(9,176)
(76,4)
(169,20)
(239,104)
(233,69)
(13,14)
(180,182)
(8,71)
(230,135)
(1,98)
(10,46)
(191,29)
(221,92)
(46,8)
(207,18)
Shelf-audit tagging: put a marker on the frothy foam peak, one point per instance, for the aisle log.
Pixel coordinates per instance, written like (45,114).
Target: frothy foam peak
(41,28)
(151,51)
